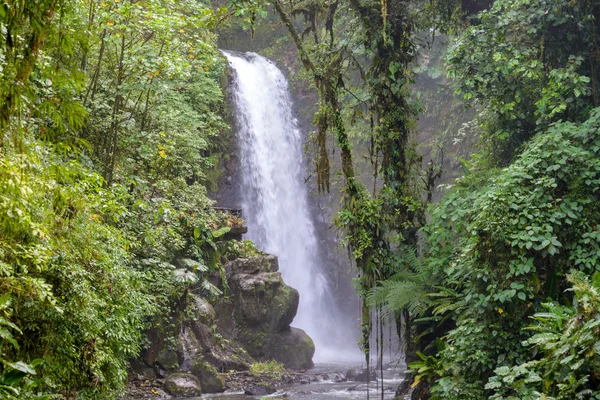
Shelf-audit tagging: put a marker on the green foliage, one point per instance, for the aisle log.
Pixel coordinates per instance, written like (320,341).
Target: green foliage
(109,112)
(270,368)
(67,273)
(408,288)
(526,64)
(567,337)
(518,237)
(429,368)
(16,377)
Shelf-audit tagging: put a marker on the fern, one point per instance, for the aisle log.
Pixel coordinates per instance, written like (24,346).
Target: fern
(407,289)
(568,337)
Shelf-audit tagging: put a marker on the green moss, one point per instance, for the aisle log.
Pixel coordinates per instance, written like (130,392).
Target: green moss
(183,385)
(270,368)
(210,379)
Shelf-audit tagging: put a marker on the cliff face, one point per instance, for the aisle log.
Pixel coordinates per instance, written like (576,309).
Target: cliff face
(250,323)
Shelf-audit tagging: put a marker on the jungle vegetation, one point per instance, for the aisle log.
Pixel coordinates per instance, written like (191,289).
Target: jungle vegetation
(113,118)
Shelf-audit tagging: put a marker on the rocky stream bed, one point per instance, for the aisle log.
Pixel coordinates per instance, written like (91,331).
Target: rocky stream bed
(210,348)
(325,381)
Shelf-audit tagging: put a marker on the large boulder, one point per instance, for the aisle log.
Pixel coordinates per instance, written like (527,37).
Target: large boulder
(259,390)
(292,347)
(203,310)
(263,301)
(259,312)
(224,353)
(183,385)
(209,377)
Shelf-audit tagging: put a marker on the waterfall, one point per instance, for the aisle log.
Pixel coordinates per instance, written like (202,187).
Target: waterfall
(275,196)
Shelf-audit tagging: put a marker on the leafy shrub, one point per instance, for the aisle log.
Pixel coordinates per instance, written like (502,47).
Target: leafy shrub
(73,294)
(508,245)
(567,340)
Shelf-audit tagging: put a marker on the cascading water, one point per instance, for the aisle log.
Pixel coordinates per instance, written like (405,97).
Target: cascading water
(275,198)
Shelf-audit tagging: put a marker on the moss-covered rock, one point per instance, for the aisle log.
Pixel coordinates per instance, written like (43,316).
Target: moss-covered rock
(259,312)
(220,349)
(252,323)
(167,359)
(263,300)
(209,377)
(183,385)
(188,348)
(252,266)
(292,347)
(202,310)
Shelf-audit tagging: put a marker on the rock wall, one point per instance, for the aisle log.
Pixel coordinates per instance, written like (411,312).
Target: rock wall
(250,323)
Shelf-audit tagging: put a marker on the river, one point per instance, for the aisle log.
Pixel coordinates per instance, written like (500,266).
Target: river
(328,389)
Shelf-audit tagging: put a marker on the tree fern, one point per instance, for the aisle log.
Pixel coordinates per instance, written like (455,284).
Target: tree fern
(407,289)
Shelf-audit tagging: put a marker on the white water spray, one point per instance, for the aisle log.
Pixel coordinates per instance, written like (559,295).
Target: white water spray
(275,198)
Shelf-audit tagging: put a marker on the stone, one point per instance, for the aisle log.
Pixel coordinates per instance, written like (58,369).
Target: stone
(167,359)
(183,385)
(224,354)
(350,375)
(259,390)
(207,374)
(292,347)
(188,347)
(250,324)
(259,311)
(204,310)
(142,371)
(366,375)
(252,265)
(263,300)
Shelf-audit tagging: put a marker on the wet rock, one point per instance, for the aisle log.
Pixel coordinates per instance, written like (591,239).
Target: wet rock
(263,301)
(251,324)
(252,265)
(338,378)
(210,380)
(259,311)
(350,375)
(204,310)
(365,375)
(259,390)
(167,359)
(142,371)
(159,355)
(292,347)
(183,385)
(225,354)
(188,348)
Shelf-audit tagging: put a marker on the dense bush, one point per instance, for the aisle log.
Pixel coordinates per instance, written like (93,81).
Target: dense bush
(109,113)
